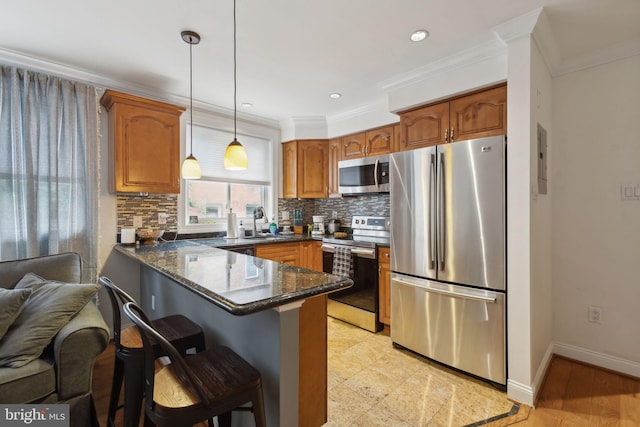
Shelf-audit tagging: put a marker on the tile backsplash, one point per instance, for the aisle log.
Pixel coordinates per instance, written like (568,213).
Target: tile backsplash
(147,207)
(345,207)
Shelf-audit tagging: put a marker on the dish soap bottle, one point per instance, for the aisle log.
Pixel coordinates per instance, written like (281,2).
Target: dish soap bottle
(273,227)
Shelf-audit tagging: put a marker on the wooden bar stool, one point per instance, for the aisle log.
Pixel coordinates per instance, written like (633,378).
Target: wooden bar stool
(195,387)
(129,353)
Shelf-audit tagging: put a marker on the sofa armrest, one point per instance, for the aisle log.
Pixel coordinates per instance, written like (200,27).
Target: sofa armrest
(76,347)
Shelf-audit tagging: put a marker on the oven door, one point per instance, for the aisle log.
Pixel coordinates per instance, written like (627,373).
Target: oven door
(358,304)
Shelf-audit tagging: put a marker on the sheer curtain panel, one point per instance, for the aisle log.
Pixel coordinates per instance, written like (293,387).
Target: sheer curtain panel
(49,135)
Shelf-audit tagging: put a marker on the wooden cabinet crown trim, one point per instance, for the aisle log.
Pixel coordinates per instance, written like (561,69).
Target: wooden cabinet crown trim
(111,97)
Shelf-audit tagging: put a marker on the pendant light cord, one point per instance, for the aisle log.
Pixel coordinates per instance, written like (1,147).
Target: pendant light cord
(235,86)
(191,94)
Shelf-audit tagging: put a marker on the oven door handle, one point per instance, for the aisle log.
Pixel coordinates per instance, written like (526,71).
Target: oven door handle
(369,253)
(361,251)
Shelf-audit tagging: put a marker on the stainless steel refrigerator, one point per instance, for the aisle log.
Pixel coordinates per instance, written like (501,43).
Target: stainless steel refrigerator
(448,280)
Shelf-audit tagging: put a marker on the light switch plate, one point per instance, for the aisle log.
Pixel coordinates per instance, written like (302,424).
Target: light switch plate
(137,222)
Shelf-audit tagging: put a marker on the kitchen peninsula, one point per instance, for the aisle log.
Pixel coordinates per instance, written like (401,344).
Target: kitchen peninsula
(247,303)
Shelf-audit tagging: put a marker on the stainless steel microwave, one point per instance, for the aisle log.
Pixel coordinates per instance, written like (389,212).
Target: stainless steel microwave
(364,175)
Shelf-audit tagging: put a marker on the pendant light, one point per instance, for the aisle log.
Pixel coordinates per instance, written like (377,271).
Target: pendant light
(235,157)
(190,166)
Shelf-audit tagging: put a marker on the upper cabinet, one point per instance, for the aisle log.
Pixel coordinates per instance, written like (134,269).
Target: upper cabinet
(479,115)
(335,155)
(144,138)
(472,116)
(305,171)
(370,143)
(289,169)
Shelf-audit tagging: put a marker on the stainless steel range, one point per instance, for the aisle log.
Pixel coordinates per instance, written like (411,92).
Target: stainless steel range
(359,304)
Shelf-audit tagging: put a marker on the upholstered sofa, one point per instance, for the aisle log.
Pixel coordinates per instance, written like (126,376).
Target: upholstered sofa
(63,372)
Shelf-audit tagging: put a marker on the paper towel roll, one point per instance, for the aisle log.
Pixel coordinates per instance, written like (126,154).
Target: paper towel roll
(232,226)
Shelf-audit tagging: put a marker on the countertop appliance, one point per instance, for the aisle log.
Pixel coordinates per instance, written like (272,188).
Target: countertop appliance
(318,226)
(358,304)
(364,175)
(448,280)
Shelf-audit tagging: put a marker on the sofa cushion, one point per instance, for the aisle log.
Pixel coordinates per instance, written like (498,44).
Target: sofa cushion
(31,281)
(47,310)
(28,383)
(12,302)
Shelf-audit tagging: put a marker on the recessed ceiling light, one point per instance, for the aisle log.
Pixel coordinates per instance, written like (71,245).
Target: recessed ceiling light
(419,35)
(246,105)
(335,95)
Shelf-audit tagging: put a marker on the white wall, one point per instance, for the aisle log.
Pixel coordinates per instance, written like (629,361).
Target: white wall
(596,236)
(518,221)
(541,292)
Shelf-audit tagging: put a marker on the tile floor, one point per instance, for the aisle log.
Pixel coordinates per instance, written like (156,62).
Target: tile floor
(373,384)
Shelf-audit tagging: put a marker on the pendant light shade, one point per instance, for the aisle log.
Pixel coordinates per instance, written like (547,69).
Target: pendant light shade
(190,166)
(235,156)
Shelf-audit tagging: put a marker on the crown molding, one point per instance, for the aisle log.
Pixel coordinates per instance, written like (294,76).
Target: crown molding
(516,28)
(18,59)
(607,54)
(537,24)
(464,58)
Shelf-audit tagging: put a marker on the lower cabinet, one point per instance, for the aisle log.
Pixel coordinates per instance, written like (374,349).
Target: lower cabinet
(286,253)
(312,338)
(384,285)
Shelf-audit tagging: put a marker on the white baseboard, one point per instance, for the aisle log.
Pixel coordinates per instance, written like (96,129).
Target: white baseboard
(606,361)
(520,392)
(527,394)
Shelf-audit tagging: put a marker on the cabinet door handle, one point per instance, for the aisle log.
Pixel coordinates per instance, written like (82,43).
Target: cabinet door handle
(446,135)
(452,137)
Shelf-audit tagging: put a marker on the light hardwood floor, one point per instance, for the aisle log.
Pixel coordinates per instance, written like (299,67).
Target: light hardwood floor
(573,394)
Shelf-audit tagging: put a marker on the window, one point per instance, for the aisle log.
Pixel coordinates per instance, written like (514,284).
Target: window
(48,159)
(208,200)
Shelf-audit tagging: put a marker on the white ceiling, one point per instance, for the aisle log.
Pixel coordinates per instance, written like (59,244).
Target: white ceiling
(291,53)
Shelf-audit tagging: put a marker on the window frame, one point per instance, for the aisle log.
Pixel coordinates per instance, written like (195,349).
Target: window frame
(268,130)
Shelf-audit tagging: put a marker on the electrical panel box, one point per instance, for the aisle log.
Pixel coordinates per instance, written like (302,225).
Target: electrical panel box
(542,160)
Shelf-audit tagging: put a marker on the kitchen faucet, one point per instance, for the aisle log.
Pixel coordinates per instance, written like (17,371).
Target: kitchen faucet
(258,213)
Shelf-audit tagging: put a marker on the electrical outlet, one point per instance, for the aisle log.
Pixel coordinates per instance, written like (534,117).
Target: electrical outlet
(594,314)
(137,222)
(162,217)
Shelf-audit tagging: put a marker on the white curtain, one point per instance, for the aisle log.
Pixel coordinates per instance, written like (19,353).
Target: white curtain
(49,135)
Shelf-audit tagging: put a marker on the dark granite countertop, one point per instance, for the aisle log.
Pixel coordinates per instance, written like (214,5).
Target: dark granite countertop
(222,242)
(238,283)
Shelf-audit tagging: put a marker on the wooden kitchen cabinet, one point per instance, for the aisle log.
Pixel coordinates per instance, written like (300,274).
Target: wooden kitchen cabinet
(424,127)
(370,143)
(384,285)
(335,155)
(311,254)
(479,115)
(471,116)
(289,169)
(144,137)
(312,335)
(286,253)
(308,175)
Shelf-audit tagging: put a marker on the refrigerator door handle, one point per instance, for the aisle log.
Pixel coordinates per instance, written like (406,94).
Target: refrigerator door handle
(454,294)
(431,238)
(441,213)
